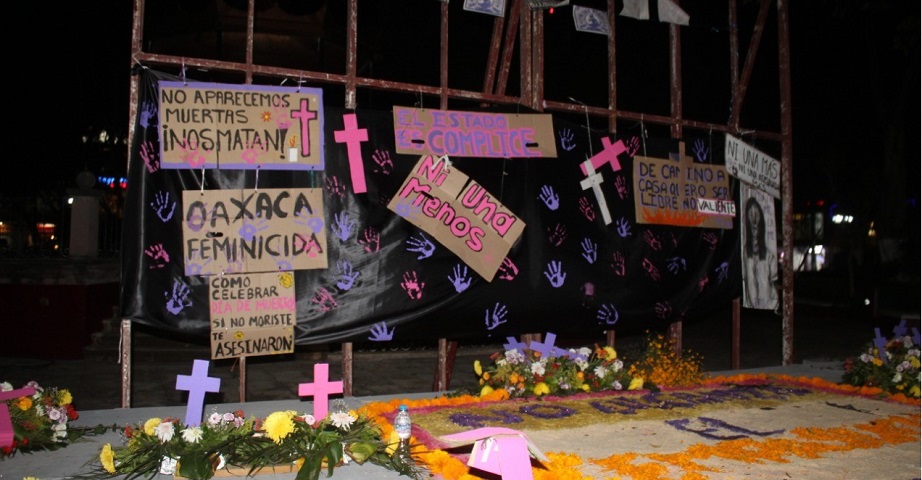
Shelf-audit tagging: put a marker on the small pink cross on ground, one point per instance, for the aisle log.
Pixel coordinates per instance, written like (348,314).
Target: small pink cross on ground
(320,389)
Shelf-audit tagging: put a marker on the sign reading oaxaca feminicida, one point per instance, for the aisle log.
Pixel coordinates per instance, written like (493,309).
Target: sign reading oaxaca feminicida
(264,230)
(683,193)
(252,314)
(473,134)
(445,203)
(242,127)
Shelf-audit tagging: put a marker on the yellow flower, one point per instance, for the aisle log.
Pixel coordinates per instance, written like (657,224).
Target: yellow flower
(150,426)
(478,369)
(486,390)
(610,353)
(392,442)
(914,391)
(636,383)
(64,397)
(877,361)
(542,389)
(24,403)
(914,361)
(107,458)
(586,387)
(278,425)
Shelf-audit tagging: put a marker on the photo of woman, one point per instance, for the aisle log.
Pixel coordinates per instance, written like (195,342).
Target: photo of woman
(760,261)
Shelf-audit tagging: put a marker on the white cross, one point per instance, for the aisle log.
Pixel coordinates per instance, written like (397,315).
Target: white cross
(594,180)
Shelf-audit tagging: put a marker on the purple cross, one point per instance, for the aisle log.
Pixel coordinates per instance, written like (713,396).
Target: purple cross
(915,336)
(305,115)
(320,389)
(881,344)
(353,136)
(609,154)
(546,348)
(514,345)
(197,384)
(6,424)
(900,330)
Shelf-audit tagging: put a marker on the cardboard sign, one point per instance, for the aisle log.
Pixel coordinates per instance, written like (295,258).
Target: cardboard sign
(752,166)
(473,134)
(667,192)
(265,230)
(252,315)
(242,127)
(459,213)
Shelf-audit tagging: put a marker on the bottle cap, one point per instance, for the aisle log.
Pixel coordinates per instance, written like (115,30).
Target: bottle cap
(402,407)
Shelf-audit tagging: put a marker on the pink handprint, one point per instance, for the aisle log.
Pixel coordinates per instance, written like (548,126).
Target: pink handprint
(557,235)
(507,269)
(383,163)
(652,241)
(335,188)
(191,155)
(585,207)
(371,240)
(710,238)
(617,263)
(412,285)
(150,156)
(324,300)
(651,269)
(159,256)
(703,283)
(621,187)
(633,145)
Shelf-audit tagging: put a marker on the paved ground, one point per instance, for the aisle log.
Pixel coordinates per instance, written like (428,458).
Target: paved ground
(823,334)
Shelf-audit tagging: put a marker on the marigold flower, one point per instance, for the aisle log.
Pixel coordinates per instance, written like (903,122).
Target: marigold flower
(151,424)
(636,383)
(486,390)
(278,425)
(542,389)
(24,403)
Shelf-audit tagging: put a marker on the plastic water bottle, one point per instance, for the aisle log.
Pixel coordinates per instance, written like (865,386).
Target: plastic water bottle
(402,424)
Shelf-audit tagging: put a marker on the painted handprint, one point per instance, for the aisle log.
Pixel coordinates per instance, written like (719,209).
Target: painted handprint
(342,226)
(710,238)
(703,283)
(607,314)
(380,333)
(158,255)
(617,264)
(676,265)
(178,299)
(590,250)
(347,275)
(557,235)
(324,300)
(371,240)
(621,186)
(305,218)
(651,269)
(163,206)
(722,271)
(623,227)
(194,266)
(191,155)
(507,269)
(421,245)
(633,145)
(497,318)
(383,162)
(701,152)
(460,278)
(662,309)
(555,274)
(150,156)
(412,285)
(585,207)
(147,116)
(406,209)
(248,229)
(549,197)
(652,241)
(588,290)
(566,139)
(335,188)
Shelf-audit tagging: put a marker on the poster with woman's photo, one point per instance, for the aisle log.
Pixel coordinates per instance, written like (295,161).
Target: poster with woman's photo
(760,249)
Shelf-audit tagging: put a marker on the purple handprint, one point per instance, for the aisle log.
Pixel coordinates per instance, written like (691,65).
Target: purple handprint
(549,197)
(676,265)
(347,275)
(412,285)
(557,235)
(460,278)
(701,152)
(555,274)
(147,116)
(406,209)
(342,226)
(159,256)
(380,333)
(178,299)
(623,227)
(722,272)
(566,139)
(590,250)
(422,245)
(248,230)
(163,206)
(607,314)
(371,241)
(497,318)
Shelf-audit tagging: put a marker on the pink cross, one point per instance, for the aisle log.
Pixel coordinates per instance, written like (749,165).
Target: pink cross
(320,389)
(609,154)
(353,136)
(6,423)
(305,115)
(197,384)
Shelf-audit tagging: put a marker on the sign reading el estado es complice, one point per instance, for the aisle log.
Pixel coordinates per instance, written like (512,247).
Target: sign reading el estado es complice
(240,127)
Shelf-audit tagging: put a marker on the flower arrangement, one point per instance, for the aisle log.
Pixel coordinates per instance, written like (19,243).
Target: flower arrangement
(894,370)
(661,365)
(40,419)
(526,373)
(231,440)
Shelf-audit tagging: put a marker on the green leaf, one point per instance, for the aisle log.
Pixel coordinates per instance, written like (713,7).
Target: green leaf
(196,466)
(360,451)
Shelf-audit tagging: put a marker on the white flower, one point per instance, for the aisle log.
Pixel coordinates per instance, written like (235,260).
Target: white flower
(897,377)
(60,432)
(907,341)
(537,368)
(514,356)
(214,418)
(5,387)
(617,365)
(54,414)
(865,358)
(192,434)
(164,431)
(239,421)
(581,364)
(501,362)
(308,419)
(228,417)
(342,420)
(600,371)
(617,385)
(585,351)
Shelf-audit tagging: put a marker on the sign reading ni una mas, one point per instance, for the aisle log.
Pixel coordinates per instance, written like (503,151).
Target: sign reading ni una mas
(240,127)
